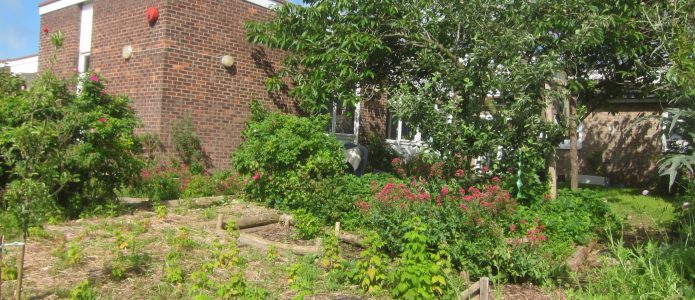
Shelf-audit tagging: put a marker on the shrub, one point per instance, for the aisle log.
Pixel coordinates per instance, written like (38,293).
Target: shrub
(283,154)
(307,226)
(78,147)
(380,154)
(188,146)
(83,291)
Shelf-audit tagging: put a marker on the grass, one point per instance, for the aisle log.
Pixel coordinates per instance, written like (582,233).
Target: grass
(637,211)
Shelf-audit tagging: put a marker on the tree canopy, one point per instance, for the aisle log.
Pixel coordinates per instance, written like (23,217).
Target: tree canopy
(473,76)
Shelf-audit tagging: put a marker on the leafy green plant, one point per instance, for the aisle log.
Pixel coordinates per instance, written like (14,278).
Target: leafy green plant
(83,291)
(129,256)
(283,155)
(69,254)
(173,273)
(371,271)
(161,211)
(330,252)
(272,254)
(9,268)
(306,225)
(419,272)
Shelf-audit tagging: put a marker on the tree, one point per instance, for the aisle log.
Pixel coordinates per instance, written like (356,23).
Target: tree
(471,75)
(63,153)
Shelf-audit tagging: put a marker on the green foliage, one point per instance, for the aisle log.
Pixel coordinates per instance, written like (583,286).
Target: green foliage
(650,271)
(188,145)
(69,254)
(83,291)
(577,217)
(371,269)
(301,278)
(380,154)
(419,272)
(71,149)
(173,273)
(130,258)
(10,84)
(9,268)
(283,155)
(306,225)
(330,252)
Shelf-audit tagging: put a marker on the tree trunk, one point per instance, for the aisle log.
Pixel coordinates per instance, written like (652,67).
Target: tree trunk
(550,161)
(574,155)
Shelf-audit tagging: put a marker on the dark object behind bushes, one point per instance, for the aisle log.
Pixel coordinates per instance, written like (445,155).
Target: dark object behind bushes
(64,153)
(283,155)
(380,154)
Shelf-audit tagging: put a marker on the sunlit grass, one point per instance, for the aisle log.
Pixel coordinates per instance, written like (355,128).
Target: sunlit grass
(636,210)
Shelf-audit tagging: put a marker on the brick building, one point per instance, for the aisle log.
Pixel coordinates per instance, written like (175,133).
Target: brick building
(173,69)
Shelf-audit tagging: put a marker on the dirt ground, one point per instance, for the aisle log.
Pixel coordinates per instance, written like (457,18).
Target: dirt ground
(48,277)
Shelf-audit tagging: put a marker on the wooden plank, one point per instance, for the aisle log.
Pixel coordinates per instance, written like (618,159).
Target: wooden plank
(263,244)
(468,293)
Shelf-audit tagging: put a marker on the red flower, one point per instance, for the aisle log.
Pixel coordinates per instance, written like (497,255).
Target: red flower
(463,207)
(445,191)
(459,173)
(542,237)
(512,227)
(523,221)
(94,78)
(256,176)
(102,120)
(496,179)
(45,30)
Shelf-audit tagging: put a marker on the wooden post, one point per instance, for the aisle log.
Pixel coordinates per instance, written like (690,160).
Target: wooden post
(219,222)
(2,248)
(484,288)
(337,228)
(20,271)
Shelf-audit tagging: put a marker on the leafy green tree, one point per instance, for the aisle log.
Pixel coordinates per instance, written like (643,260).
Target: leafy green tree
(470,75)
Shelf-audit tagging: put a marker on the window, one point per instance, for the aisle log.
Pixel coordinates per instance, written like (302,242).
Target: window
(673,141)
(85,48)
(345,122)
(400,131)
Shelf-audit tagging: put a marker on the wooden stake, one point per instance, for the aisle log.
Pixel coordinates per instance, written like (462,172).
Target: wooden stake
(20,271)
(484,288)
(219,222)
(2,248)
(337,228)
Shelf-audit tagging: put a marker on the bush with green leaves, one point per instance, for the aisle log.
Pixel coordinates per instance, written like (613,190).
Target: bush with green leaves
(72,148)
(283,155)
(188,146)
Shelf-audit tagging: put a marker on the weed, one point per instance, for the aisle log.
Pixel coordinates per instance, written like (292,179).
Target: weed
(272,254)
(83,291)
(307,226)
(161,211)
(69,254)
(330,255)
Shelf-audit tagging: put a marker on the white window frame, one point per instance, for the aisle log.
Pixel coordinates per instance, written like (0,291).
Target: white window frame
(417,138)
(346,137)
(86,29)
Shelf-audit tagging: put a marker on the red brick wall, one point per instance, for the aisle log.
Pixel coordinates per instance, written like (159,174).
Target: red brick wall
(373,119)
(62,61)
(198,86)
(614,147)
(122,23)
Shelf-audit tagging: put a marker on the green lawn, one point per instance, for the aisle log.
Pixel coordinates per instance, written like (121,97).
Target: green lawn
(635,210)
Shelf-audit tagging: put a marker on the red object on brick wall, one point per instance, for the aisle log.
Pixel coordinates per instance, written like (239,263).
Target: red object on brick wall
(152,15)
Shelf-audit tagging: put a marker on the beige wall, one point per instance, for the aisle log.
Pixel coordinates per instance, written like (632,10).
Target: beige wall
(617,147)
